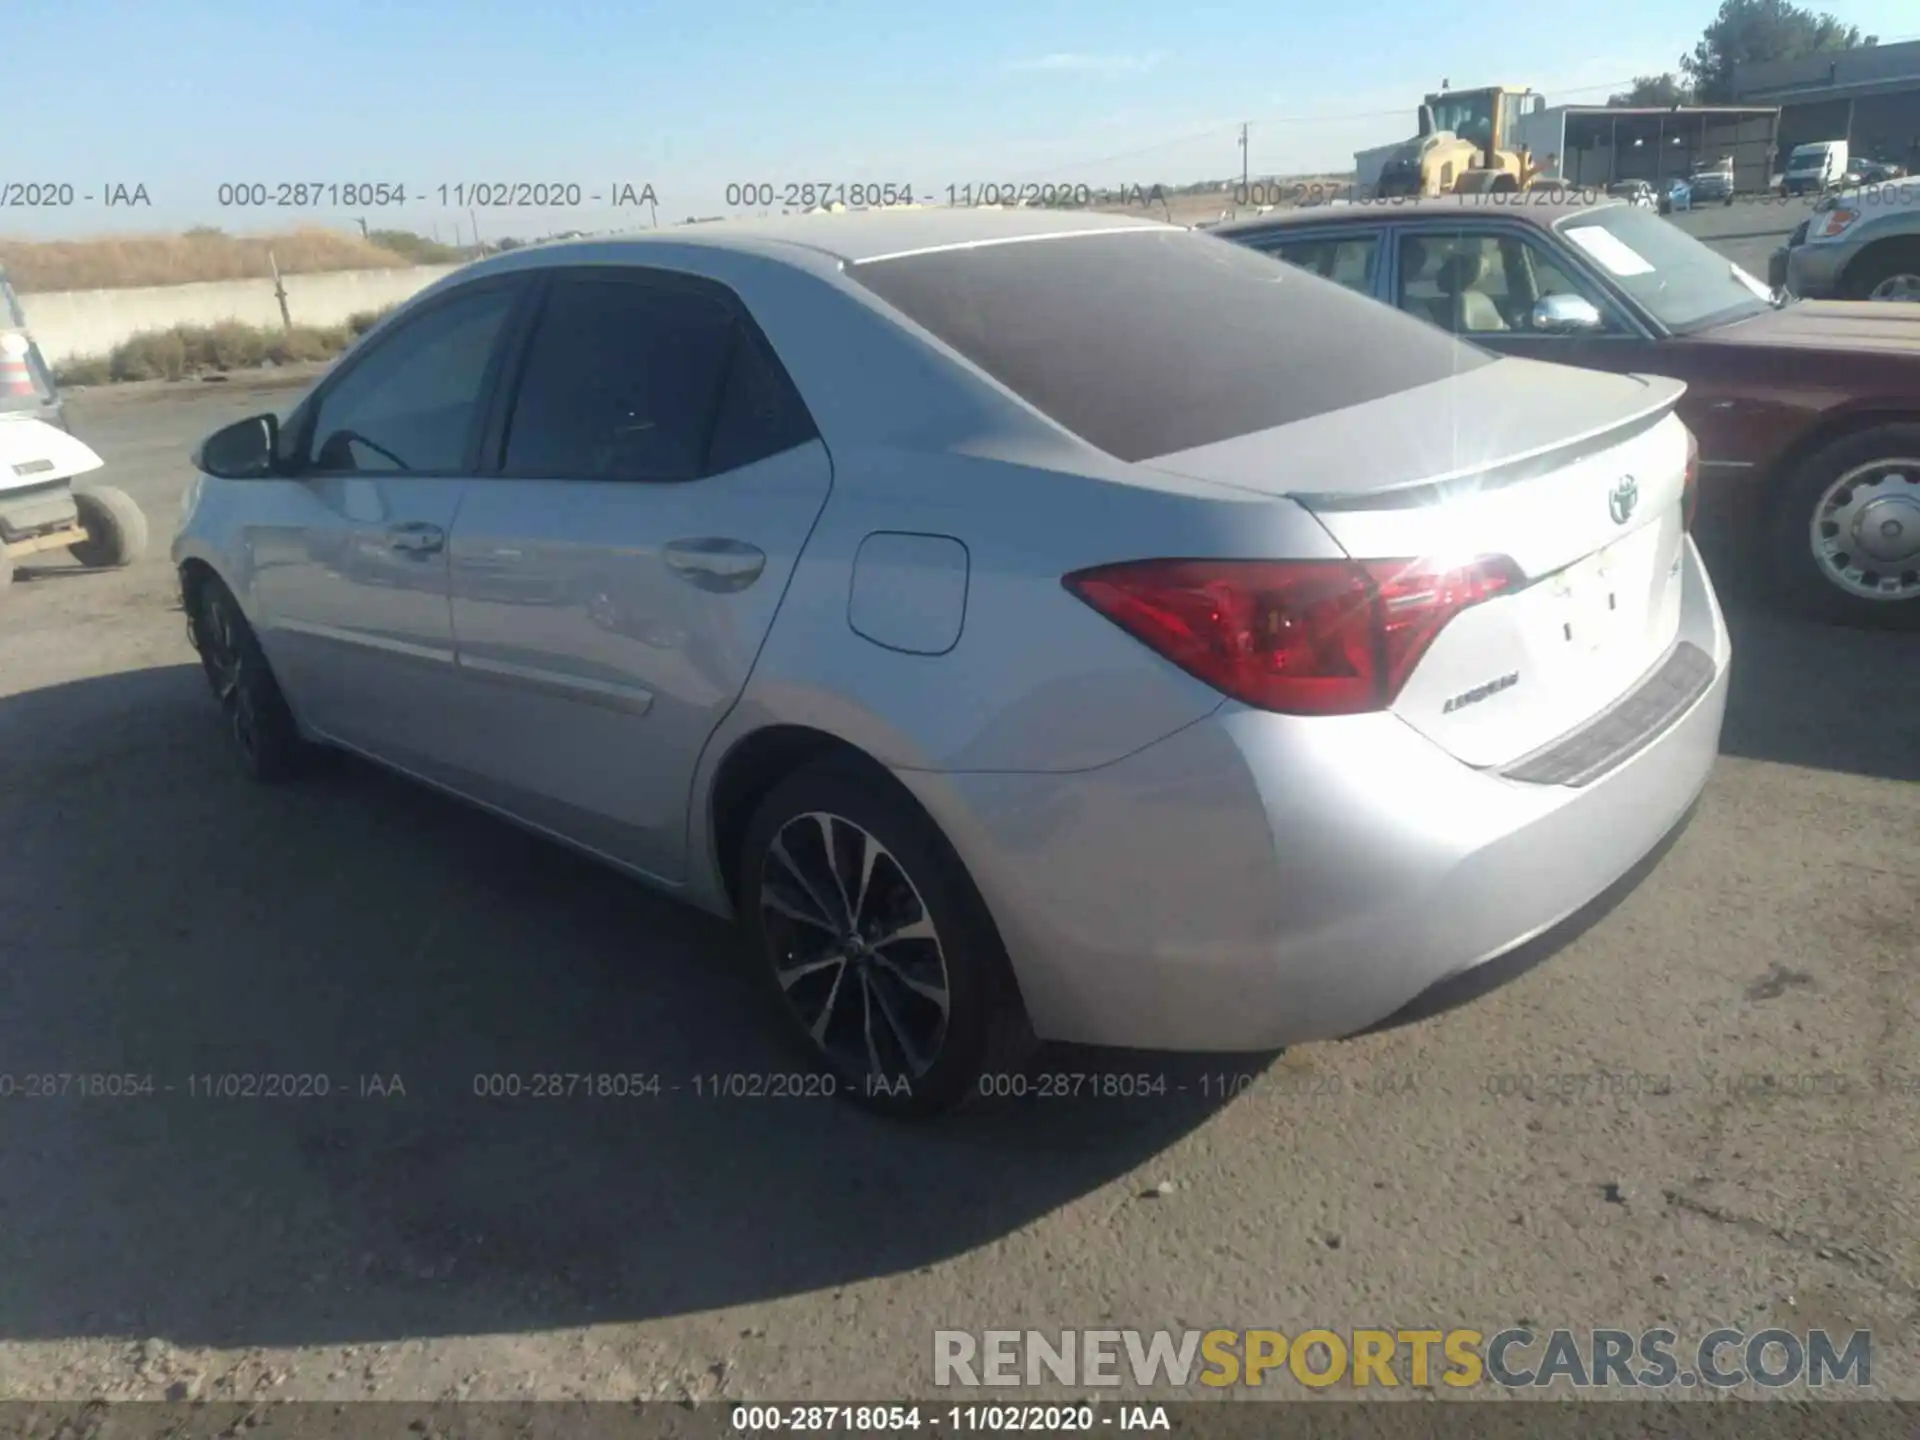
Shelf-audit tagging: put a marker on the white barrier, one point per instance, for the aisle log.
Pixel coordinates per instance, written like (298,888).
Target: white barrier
(68,324)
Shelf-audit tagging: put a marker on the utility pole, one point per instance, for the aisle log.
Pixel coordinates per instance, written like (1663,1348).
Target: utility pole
(1243,157)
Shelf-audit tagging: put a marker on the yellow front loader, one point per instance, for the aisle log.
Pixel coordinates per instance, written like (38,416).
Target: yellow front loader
(1467,144)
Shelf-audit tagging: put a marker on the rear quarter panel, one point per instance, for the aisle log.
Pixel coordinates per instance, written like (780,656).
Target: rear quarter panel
(1038,682)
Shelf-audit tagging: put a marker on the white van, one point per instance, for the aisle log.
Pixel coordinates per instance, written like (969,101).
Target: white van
(1815,168)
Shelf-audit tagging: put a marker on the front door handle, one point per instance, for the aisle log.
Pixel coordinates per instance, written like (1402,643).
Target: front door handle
(715,564)
(417,537)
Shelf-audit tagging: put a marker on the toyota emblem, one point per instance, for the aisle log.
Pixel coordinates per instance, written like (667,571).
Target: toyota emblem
(1625,496)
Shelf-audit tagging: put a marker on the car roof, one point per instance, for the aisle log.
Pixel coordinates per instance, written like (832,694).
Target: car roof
(1542,213)
(854,236)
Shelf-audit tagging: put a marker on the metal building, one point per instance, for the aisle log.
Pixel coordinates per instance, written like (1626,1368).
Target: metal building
(1869,97)
(1601,144)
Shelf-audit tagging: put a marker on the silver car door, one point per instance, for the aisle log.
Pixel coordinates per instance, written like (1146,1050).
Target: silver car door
(348,560)
(613,582)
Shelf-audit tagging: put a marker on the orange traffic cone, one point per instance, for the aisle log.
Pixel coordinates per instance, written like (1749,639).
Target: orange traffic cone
(16,380)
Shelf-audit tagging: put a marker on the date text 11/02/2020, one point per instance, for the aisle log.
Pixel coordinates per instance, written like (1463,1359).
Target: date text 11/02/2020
(869,195)
(456,195)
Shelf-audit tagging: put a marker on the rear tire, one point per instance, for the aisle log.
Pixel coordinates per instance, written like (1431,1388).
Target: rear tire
(261,726)
(897,985)
(116,528)
(1846,530)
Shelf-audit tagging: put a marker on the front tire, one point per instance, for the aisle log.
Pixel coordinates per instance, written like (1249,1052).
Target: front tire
(1887,272)
(116,528)
(877,948)
(258,719)
(1847,530)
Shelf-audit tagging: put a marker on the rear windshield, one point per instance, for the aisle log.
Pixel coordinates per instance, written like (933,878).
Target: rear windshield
(1148,342)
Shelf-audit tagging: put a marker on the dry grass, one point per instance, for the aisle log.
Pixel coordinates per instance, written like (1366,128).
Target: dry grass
(188,350)
(1214,205)
(123,261)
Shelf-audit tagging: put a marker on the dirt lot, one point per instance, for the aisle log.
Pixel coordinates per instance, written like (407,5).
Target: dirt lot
(1738,1146)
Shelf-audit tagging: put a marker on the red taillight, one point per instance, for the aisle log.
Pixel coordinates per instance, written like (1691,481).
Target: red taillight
(1304,637)
(1690,487)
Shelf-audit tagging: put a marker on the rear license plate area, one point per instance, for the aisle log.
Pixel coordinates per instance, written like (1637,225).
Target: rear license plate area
(1590,602)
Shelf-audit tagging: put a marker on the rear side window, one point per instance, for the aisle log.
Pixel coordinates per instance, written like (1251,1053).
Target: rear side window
(1347,261)
(647,379)
(760,413)
(621,383)
(1144,343)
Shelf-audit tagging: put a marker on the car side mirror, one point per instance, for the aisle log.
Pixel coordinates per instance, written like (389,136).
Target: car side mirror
(1561,314)
(244,450)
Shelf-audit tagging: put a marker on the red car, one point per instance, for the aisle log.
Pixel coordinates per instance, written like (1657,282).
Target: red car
(1807,412)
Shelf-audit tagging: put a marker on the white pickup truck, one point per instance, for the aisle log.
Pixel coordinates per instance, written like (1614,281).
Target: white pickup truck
(1859,244)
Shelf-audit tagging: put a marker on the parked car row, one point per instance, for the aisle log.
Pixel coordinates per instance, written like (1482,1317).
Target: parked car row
(1028,625)
(1804,410)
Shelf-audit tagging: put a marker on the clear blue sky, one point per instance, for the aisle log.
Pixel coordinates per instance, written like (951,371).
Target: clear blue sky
(182,95)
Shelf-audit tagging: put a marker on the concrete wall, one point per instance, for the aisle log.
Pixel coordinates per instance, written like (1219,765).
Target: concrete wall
(73,323)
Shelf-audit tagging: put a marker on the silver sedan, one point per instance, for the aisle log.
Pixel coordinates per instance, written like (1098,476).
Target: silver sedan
(1028,627)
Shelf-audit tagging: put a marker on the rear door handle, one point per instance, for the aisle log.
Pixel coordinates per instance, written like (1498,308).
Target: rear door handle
(417,537)
(713,563)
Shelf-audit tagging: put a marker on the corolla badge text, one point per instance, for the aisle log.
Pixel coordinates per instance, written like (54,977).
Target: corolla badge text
(1481,692)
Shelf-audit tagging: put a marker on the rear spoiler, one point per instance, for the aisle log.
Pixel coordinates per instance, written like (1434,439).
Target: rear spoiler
(1663,395)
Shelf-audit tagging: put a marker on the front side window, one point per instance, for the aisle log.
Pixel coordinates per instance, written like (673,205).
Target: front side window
(1482,282)
(409,404)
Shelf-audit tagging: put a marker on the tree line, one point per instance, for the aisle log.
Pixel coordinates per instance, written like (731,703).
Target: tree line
(1743,33)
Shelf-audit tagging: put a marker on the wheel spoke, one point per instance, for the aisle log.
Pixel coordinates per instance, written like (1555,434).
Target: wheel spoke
(779,851)
(900,1037)
(825,822)
(818,1030)
(921,929)
(792,975)
(937,994)
(870,851)
(772,899)
(867,997)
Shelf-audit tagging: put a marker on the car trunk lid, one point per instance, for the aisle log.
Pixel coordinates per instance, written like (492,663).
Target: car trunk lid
(1575,478)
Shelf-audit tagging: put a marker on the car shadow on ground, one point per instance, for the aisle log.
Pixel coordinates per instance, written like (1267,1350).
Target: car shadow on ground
(165,925)
(1825,697)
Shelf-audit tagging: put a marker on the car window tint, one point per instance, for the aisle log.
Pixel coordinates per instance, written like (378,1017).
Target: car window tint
(621,382)
(760,413)
(409,404)
(1149,342)
(1347,261)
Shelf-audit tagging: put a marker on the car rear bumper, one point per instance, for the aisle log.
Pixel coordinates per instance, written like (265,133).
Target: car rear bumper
(1258,880)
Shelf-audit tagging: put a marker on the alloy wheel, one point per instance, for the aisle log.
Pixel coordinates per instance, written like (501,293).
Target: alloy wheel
(225,659)
(854,948)
(1865,531)
(1905,286)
